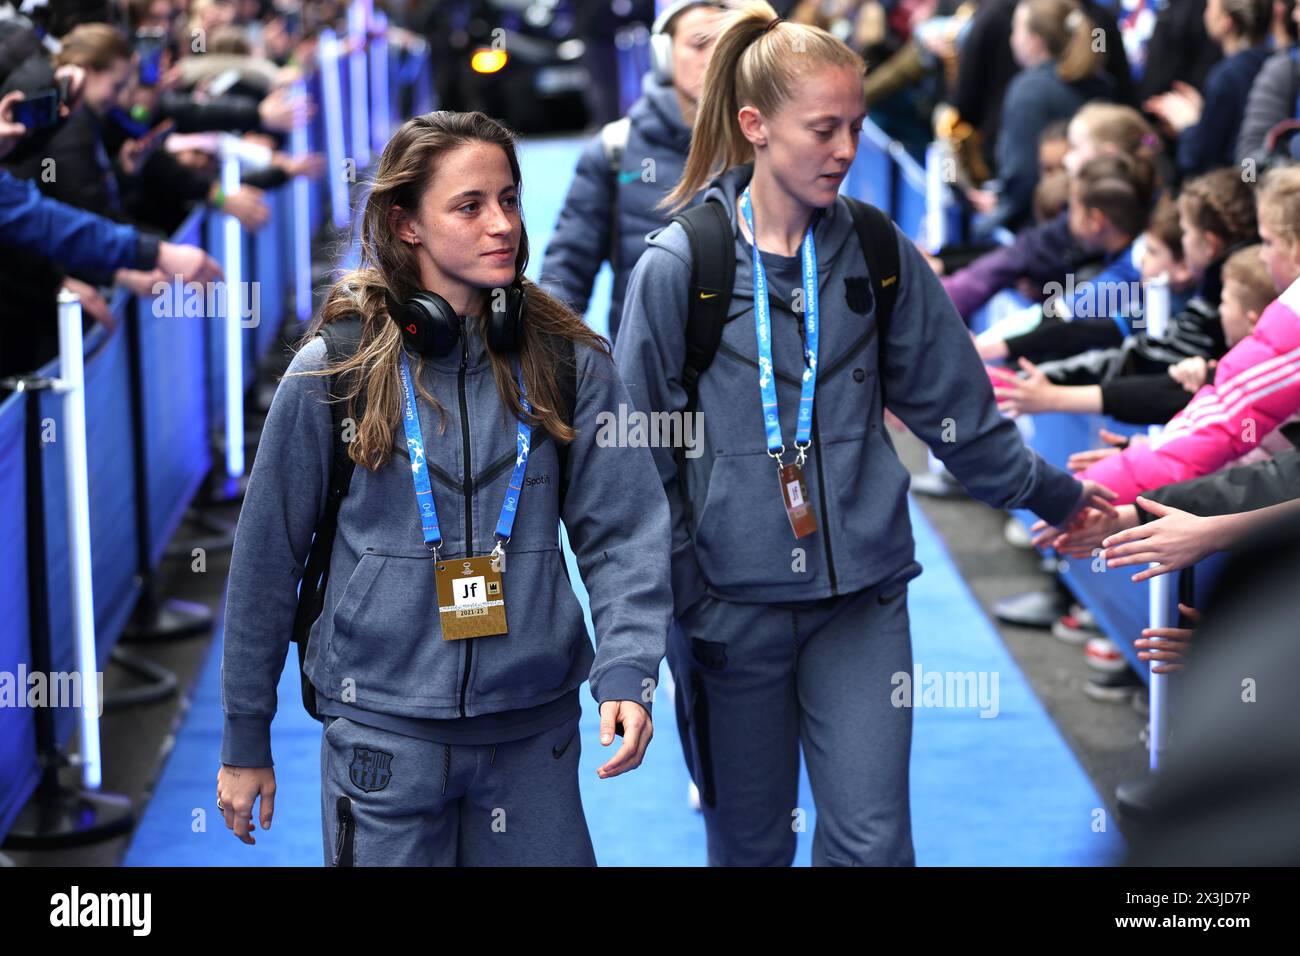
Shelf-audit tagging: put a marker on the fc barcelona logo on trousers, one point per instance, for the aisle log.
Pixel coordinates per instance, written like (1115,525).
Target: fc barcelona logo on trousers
(370,770)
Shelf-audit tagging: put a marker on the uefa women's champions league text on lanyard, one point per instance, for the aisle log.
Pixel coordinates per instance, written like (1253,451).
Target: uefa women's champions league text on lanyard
(794,492)
(471,595)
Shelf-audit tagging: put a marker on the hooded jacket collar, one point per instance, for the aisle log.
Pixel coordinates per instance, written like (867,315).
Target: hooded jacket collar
(657,117)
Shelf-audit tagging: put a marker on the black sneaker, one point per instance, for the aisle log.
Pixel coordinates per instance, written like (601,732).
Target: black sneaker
(1115,687)
(1034,609)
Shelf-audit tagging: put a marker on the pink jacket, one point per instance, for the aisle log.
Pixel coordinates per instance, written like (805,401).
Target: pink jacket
(1256,388)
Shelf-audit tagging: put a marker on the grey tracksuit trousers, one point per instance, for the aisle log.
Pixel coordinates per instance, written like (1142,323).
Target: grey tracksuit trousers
(393,800)
(753,681)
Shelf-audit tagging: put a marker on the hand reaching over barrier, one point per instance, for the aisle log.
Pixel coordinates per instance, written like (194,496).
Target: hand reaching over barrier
(1167,644)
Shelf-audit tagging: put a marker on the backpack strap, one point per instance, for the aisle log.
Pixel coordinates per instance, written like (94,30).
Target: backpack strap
(713,273)
(341,342)
(879,241)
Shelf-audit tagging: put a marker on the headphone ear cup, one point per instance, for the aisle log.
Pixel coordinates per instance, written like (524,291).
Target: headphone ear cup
(661,57)
(428,324)
(505,326)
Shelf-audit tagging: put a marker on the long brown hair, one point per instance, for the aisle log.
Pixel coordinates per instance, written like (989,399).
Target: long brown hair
(389,272)
(755,62)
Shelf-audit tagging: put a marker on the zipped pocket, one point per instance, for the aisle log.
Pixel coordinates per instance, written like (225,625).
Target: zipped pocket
(344,837)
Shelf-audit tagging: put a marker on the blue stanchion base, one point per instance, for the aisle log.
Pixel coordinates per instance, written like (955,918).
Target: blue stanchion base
(162,683)
(168,620)
(71,817)
(219,536)
(1133,800)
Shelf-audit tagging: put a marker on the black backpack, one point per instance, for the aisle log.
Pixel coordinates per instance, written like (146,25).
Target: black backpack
(341,342)
(713,272)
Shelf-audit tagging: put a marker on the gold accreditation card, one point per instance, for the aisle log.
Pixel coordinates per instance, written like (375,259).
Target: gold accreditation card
(471,598)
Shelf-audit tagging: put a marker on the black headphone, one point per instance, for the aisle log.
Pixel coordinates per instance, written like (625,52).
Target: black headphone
(430,326)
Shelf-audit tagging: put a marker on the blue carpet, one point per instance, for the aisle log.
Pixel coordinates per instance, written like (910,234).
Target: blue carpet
(1003,791)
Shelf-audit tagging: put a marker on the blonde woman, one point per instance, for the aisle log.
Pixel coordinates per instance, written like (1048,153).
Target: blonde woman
(791,542)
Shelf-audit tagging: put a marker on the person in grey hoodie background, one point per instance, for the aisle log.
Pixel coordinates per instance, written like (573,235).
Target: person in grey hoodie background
(626,169)
(782,640)
(438,751)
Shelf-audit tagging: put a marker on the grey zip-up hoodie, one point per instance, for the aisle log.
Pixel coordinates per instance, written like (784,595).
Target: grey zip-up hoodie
(378,642)
(739,545)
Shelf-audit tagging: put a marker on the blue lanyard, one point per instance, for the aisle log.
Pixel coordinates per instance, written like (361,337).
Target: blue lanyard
(420,471)
(763,329)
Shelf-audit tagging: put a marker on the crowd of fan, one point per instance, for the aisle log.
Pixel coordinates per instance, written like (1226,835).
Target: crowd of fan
(145,91)
(1113,148)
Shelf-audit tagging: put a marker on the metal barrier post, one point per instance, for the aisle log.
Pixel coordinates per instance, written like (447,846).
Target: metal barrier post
(72,385)
(381,116)
(936,199)
(300,196)
(1161,589)
(358,25)
(233,241)
(332,94)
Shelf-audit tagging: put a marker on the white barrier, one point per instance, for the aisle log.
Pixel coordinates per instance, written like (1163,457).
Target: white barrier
(233,255)
(381,114)
(72,385)
(300,195)
(335,158)
(358,24)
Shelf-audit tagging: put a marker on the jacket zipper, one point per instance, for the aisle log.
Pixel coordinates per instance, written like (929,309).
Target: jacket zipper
(466,490)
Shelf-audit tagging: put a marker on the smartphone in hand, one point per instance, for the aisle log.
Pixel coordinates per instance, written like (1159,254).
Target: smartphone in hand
(40,111)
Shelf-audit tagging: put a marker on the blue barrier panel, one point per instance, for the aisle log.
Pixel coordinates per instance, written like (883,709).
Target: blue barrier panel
(19,772)
(422,85)
(1120,605)
(345,98)
(216,342)
(109,434)
(242,305)
(175,400)
(270,266)
(871,177)
(909,192)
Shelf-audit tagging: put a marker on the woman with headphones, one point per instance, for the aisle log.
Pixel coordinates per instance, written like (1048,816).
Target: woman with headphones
(449,653)
(792,547)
